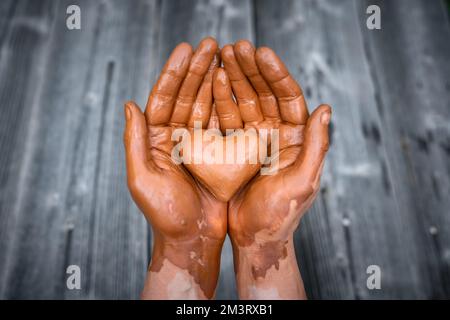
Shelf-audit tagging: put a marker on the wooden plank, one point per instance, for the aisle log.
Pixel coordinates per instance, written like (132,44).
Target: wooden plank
(109,239)
(76,208)
(24,47)
(357,220)
(134,74)
(409,58)
(227,21)
(63,195)
(7,11)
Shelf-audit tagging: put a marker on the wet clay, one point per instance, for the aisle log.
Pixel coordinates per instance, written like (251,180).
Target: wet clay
(189,223)
(279,282)
(223,179)
(197,260)
(264,214)
(187,205)
(274,251)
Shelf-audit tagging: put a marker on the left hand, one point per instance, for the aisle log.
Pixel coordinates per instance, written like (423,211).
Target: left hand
(188,222)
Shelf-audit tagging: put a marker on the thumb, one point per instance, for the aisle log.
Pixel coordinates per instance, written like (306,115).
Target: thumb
(309,163)
(135,140)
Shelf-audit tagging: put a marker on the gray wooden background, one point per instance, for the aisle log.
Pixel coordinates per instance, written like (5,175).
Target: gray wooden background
(385,197)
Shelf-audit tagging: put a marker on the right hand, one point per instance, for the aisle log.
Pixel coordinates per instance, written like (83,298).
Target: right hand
(268,97)
(264,214)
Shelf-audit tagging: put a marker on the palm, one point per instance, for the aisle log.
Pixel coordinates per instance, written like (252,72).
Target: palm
(185,195)
(269,98)
(175,204)
(244,204)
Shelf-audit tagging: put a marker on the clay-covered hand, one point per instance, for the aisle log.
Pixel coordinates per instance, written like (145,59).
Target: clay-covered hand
(264,214)
(188,222)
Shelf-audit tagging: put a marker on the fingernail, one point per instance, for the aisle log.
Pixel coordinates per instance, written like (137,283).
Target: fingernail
(127,112)
(325,118)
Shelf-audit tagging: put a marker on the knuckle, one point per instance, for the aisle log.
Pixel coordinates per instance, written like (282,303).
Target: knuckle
(306,190)
(135,185)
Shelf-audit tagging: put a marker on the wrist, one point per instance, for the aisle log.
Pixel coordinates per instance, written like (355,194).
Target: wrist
(183,269)
(268,271)
(260,256)
(195,255)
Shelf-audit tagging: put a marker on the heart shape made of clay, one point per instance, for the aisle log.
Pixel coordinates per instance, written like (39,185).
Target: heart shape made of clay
(221,163)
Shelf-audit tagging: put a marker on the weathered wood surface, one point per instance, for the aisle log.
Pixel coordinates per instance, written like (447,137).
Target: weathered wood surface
(386,185)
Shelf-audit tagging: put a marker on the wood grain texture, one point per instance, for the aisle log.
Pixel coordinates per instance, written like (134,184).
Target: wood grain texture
(384,196)
(25,46)
(366,213)
(411,77)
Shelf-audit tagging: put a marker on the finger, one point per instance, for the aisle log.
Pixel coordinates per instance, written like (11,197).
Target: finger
(289,94)
(214,122)
(201,109)
(161,100)
(245,56)
(227,110)
(135,139)
(315,146)
(245,94)
(200,62)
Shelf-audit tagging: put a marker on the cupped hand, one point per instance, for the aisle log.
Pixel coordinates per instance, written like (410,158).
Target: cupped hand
(263,215)
(189,223)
